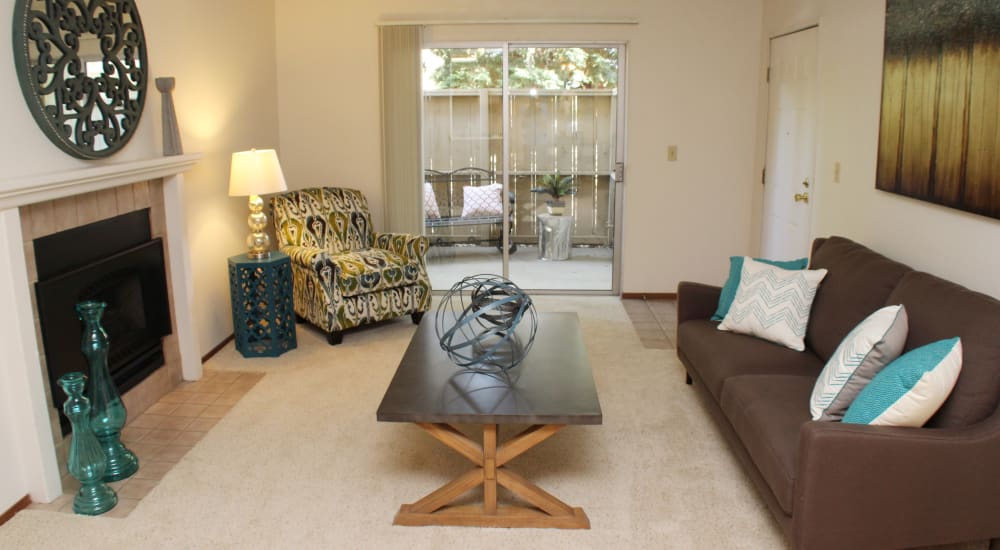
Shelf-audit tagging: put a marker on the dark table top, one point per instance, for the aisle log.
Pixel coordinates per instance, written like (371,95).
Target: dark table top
(553,385)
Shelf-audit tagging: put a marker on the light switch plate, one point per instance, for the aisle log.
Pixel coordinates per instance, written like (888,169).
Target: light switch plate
(671,153)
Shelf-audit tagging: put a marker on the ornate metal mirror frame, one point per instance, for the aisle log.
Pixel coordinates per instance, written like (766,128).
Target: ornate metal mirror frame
(83,71)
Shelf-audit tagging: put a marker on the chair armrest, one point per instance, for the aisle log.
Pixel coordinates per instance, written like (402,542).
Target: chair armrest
(696,301)
(316,263)
(308,256)
(876,486)
(408,246)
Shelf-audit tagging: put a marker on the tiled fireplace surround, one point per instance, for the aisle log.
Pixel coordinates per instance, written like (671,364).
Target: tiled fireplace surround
(41,206)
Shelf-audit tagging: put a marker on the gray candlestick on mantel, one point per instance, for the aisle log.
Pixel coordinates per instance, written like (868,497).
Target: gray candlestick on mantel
(171,133)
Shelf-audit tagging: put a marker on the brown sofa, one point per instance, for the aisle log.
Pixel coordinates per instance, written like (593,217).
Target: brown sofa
(834,485)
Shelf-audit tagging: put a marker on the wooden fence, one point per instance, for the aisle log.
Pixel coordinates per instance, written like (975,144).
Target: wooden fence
(569,132)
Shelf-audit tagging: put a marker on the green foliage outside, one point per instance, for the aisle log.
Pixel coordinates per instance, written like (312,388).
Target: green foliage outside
(556,186)
(538,68)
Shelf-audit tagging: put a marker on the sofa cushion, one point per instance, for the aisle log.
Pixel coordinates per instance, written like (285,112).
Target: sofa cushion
(373,269)
(767,412)
(857,284)
(940,309)
(720,355)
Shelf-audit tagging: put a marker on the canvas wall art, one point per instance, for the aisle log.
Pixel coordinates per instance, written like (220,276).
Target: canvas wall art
(939,138)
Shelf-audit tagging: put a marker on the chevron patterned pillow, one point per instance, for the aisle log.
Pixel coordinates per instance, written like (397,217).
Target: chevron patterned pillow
(867,349)
(773,303)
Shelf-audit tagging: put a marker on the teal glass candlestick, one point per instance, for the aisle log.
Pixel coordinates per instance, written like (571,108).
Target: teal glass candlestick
(108,414)
(87,462)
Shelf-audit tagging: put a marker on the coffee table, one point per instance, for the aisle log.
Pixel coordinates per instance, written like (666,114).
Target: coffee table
(551,389)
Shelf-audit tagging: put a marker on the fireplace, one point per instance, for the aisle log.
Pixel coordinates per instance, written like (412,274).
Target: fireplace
(116,261)
(39,205)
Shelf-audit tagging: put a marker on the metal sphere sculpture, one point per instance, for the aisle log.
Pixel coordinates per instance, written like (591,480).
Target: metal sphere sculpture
(477,320)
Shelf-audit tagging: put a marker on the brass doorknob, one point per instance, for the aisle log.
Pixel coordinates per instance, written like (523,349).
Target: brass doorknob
(802,197)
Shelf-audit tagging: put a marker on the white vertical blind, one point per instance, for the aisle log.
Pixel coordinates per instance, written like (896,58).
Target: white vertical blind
(399,84)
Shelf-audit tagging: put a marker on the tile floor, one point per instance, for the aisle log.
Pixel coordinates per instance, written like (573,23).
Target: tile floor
(654,320)
(164,433)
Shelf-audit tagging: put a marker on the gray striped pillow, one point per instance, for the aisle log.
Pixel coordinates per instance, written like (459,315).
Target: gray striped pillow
(866,350)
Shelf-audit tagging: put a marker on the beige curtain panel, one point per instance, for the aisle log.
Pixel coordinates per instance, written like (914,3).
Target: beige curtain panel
(399,83)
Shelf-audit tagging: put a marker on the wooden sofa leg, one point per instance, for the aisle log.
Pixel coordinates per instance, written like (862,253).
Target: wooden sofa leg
(687,379)
(417,316)
(334,337)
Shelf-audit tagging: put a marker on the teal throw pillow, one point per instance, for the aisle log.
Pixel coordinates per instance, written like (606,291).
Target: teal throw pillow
(733,282)
(908,391)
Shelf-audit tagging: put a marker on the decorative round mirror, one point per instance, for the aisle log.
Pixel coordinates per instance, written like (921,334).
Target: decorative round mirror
(83,71)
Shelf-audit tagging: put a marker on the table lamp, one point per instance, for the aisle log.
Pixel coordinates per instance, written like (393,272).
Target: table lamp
(254,173)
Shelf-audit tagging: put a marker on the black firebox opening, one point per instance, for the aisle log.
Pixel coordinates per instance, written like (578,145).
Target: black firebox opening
(113,261)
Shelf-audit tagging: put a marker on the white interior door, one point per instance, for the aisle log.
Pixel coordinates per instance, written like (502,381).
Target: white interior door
(791,146)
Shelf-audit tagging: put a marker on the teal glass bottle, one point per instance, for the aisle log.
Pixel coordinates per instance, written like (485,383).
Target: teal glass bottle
(87,462)
(108,414)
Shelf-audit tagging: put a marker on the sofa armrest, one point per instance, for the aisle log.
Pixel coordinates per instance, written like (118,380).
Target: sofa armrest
(696,301)
(411,247)
(887,487)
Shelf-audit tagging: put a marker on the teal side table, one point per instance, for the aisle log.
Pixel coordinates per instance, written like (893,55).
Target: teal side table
(263,310)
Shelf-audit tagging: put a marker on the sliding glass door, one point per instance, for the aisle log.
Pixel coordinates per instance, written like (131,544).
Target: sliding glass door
(463,162)
(520,148)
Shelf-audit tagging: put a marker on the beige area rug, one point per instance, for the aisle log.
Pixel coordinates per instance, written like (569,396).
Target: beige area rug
(300,461)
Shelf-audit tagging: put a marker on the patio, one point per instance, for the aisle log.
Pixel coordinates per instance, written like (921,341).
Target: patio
(589,268)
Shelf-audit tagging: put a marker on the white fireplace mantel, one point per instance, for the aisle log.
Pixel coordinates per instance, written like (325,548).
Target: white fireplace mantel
(26,407)
(44,187)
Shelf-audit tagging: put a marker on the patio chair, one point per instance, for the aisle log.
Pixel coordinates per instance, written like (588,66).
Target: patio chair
(345,274)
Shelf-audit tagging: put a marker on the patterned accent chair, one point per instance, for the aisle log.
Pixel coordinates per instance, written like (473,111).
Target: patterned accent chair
(344,274)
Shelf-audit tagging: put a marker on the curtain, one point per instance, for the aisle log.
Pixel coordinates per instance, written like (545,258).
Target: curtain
(402,165)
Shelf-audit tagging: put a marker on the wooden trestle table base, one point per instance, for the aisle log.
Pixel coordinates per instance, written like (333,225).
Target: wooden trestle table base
(554,388)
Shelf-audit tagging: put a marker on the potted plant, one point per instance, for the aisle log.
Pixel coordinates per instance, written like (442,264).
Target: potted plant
(556,186)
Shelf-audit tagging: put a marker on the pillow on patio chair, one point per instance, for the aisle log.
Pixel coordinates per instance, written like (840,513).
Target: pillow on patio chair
(483,201)
(431,210)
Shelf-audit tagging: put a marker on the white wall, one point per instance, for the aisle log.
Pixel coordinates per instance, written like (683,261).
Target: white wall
(223,56)
(12,486)
(693,82)
(222,53)
(947,242)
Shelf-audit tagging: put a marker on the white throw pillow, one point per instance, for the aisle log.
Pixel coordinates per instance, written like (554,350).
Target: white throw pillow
(485,200)
(773,303)
(911,389)
(430,203)
(866,350)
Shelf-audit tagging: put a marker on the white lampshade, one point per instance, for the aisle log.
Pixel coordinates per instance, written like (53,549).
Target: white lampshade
(255,172)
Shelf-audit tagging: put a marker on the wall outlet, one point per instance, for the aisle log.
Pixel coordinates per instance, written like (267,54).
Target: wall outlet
(671,153)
